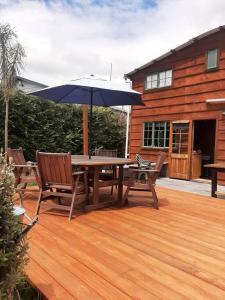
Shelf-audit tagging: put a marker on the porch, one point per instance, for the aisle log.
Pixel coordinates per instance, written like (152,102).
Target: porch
(176,252)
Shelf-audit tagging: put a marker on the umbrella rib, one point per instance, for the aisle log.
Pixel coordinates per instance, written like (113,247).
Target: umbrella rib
(64,96)
(77,87)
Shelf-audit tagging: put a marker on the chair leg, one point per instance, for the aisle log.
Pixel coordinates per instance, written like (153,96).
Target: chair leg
(112,190)
(39,203)
(73,198)
(59,201)
(21,198)
(154,195)
(72,205)
(24,188)
(155,198)
(86,187)
(115,175)
(21,193)
(125,197)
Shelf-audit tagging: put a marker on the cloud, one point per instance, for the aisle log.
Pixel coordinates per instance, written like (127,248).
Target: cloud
(70,38)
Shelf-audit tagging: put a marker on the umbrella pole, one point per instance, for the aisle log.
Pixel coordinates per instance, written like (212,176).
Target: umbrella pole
(85,129)
(90,124)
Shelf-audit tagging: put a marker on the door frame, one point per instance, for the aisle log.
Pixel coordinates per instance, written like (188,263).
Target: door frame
(190,145)
(216,120)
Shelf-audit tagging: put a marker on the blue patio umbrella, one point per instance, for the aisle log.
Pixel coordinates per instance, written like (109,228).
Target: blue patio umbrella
(93,92)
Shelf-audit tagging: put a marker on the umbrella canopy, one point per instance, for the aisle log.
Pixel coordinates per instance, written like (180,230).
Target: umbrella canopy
(104,93)
(93,92)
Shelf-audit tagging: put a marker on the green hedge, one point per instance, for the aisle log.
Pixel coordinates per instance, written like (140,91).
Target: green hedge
(46,126)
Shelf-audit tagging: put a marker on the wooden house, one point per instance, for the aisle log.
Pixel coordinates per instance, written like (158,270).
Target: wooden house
(184,113)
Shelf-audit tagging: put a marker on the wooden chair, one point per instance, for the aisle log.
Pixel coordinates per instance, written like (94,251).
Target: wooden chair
(146,164)
(152,175)
(106,152)
(58,180)
(23,172)
(108,173)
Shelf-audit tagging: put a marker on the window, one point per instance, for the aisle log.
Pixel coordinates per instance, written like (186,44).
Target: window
(180,138)
(156,134)
(159,80)
(212,59)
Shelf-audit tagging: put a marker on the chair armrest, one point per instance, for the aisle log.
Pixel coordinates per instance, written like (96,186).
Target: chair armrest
(26,166)
(79,173)
(144,170)
(31,163)
(146,162)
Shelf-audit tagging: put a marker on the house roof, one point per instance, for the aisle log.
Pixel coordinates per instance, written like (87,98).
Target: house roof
(172,51)
(19,78)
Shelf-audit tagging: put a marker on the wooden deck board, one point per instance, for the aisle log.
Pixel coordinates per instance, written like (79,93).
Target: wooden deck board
(177,252)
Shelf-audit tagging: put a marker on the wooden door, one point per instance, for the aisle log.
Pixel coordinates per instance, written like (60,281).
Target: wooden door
(180,149)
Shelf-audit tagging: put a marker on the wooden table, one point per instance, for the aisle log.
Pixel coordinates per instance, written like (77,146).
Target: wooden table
(95,164)
(215,168)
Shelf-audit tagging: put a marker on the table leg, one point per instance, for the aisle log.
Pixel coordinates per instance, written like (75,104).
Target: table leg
(96,186)
(120,185)
(214,183)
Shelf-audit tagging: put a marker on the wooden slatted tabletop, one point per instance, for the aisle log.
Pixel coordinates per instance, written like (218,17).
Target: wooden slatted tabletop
(84,161)
(215,166)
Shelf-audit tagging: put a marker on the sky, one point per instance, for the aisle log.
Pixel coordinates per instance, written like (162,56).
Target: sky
(69,39)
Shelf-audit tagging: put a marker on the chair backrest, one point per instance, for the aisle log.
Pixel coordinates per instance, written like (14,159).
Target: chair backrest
(106,152)
(140,161)
(55,168)
(17,156)
(160,160)
(158,166)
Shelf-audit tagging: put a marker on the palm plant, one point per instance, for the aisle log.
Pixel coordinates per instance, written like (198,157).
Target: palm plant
(11,63)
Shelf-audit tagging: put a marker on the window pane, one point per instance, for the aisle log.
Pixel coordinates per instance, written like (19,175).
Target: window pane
(168,81)
(152,81)
(162,75)
(154,84)
(165,78)
(147,134)
(162,83)
(154,77)
(212,59)
(169,73)
(161,143)
(157,124)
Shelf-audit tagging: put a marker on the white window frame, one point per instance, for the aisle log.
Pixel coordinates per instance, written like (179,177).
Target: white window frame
(167,80)
(216,59)
(166,126)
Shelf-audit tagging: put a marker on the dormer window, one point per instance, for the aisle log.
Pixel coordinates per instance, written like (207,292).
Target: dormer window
(159,80)
(212,59)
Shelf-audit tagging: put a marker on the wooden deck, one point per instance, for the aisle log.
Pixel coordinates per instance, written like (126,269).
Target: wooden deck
(177,252)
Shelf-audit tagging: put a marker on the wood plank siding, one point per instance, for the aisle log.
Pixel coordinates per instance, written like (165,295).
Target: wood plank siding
(186,99)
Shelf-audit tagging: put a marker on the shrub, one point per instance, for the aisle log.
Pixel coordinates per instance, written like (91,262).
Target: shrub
(12,250)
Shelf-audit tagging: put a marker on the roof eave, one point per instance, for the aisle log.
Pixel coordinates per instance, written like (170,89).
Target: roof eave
(188,43)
